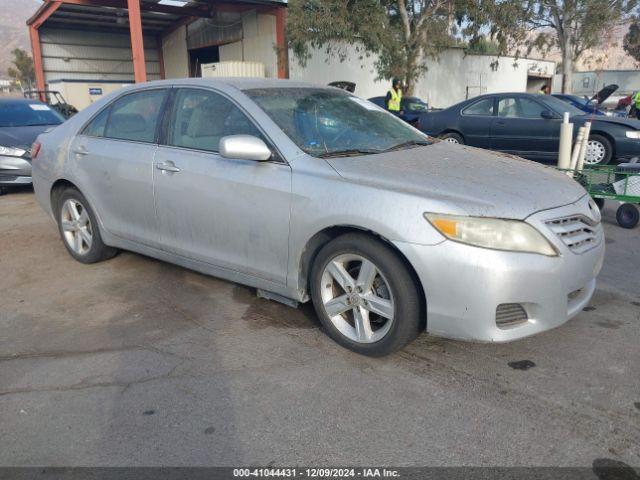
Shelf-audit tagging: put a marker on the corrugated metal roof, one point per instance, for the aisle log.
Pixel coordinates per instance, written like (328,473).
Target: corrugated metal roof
(156,17)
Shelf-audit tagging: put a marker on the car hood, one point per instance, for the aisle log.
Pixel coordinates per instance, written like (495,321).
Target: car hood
(464,180)
(625,122)
(21,137)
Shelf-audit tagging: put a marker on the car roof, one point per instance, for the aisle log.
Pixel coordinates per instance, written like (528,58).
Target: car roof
(240,83)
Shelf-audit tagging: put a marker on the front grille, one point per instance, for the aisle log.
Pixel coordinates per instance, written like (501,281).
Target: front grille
(577,232)
(509,314)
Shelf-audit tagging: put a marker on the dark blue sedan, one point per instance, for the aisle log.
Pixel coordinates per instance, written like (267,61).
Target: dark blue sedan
(21,121)
(528,125)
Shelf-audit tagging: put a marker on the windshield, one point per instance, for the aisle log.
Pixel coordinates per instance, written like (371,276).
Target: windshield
(579,100)
(24,114)
(560,106)
(323,122)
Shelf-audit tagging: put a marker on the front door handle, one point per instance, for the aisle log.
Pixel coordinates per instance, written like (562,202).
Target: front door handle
(502,123)
(167,167)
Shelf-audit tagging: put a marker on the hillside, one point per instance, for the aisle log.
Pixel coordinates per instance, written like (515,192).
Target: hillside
(608,56)
(13,29)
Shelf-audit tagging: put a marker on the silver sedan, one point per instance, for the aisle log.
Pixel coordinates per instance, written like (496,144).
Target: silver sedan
(310,193)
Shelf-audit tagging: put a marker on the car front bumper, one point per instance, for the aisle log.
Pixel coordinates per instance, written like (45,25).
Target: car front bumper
(14,171)
(464,285)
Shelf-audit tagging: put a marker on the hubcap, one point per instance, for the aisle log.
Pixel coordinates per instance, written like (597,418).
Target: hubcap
(451,140)
(595,152)
(357,298)
(76,227)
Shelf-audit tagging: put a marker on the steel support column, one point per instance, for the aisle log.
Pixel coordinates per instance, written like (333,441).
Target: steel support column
(281,44)
(36,52)
(137,43)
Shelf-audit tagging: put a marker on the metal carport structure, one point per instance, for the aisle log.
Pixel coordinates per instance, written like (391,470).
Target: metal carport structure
(146,23)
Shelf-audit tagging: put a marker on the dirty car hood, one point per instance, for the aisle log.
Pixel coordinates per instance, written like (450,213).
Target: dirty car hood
(464,180)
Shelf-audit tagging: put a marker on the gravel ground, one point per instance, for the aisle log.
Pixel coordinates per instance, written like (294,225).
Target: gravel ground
(138,362)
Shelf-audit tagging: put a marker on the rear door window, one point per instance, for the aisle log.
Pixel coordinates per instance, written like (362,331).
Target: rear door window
(134,117)
(96,127)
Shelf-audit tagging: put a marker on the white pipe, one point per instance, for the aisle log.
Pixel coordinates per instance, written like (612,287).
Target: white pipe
(583,148)
(566,135)
(576,149)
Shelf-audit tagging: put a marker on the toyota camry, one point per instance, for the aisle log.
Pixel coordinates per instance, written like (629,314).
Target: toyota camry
(309,193)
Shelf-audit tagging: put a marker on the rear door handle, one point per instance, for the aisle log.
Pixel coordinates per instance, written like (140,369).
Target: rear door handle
(81,151)
(167,167)
(502,123)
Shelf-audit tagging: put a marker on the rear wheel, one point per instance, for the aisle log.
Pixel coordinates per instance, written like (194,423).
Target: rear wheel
(627,215)
(79,228)
(365,296)
(599,150)
(452,137)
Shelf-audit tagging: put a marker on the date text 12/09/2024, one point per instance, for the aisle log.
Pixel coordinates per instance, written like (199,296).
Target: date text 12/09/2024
(315,473)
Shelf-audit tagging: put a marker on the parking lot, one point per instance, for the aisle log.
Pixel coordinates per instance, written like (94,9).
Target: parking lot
(138,362)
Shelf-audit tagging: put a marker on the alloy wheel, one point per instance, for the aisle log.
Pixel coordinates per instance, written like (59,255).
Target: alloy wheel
(76,226)
(596,152)
(357,298)
(452,140)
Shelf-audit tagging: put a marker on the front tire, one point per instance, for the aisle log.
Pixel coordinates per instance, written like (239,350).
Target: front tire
(365,296)
(79,230)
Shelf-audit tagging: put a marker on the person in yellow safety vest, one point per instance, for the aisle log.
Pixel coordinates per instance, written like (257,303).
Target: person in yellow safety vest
(635,104)
(394,97)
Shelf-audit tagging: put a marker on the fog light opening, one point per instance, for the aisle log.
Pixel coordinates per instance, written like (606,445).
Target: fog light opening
(510,314)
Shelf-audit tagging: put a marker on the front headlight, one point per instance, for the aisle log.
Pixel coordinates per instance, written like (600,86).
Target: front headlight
(494,233)
(633,134)
(12,151)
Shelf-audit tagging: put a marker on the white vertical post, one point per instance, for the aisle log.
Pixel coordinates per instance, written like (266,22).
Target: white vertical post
(576,149)
(566,135)
(583,148)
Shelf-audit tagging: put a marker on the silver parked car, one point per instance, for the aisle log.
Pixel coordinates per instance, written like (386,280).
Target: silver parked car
(311,193)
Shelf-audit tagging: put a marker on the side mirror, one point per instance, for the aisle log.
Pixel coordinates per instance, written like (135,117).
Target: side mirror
(548,115)
(244,147)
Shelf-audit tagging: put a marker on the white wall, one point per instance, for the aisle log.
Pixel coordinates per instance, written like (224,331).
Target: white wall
(79,94)
(175,54)
(257,45)
(448,80)
(588,83)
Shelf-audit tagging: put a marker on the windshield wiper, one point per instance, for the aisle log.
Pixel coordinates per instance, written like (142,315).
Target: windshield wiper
(410,143)
(352,152)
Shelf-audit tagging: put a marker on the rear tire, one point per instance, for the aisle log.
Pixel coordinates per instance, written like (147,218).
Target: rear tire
(374,313)
(453,137)
(79,228)
(599,150)
(627,215)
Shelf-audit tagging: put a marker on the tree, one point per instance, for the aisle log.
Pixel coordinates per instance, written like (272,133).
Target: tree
(401,32)
(631,41)
(572,26)
(23,73)
(482,46)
